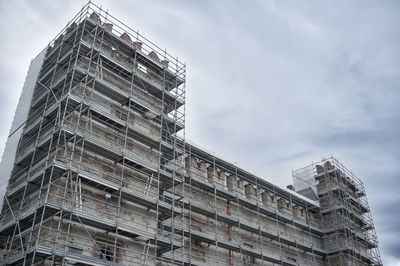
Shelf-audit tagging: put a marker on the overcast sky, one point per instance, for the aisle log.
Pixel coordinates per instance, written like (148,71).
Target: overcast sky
(271,85)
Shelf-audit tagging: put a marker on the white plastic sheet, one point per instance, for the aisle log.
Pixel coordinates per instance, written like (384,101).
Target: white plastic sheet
(18,123)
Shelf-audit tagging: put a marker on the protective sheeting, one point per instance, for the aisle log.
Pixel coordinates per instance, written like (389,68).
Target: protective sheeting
(304,182)
(18,123)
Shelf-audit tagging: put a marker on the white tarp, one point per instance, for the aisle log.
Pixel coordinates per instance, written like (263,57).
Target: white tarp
(18,123)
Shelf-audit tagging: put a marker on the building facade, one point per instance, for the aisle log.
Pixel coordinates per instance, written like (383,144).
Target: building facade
(99,172)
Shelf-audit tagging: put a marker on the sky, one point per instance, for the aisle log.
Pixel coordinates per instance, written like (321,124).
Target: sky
(271,85)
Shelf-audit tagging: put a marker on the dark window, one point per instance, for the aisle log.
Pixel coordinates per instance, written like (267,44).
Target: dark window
(106,253)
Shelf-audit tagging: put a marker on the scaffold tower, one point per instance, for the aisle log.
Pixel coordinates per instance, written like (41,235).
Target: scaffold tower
(349,234)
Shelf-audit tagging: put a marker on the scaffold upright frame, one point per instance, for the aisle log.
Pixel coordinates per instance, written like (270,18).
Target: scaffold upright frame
(98,146)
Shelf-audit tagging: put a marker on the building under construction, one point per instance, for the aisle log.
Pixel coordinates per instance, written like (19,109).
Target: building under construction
(100,174)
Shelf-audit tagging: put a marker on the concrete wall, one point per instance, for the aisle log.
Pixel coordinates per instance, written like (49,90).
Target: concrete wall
(88,242)
(108,170)
(112,138)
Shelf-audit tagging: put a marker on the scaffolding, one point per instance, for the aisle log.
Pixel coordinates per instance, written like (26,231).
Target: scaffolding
(99,142)
(103,174)
(349,233)
(235,218)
